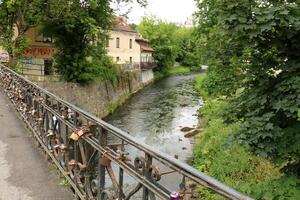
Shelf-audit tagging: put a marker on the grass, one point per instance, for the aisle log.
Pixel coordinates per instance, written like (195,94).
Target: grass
(179,70)
(218,154)
(182,70)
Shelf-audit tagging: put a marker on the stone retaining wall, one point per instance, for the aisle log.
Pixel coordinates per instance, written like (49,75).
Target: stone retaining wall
(98,98)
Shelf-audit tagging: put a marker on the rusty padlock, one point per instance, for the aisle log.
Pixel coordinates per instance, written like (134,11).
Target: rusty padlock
(104,161)
(80,133)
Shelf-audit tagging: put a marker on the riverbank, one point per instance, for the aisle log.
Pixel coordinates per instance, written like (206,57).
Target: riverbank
(218,154)
(178,70)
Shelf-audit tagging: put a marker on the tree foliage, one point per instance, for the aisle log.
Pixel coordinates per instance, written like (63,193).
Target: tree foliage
(252,48)
(16,17)
(170,41)
(162,38)
(186,41)
(80,29)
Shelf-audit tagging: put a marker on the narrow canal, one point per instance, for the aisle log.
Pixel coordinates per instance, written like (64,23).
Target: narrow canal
(156,115)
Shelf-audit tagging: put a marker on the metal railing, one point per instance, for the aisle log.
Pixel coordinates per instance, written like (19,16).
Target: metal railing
(89,152)
(148,65)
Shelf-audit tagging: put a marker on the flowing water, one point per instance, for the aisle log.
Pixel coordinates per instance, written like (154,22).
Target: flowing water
(156,115)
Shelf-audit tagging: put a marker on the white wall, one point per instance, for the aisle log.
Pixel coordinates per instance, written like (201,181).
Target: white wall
(147,76)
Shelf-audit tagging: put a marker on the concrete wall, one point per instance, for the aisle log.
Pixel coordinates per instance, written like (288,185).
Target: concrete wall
(147,76)
(98,98)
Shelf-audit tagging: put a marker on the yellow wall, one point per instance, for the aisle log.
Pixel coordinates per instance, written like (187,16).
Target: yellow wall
(124,52)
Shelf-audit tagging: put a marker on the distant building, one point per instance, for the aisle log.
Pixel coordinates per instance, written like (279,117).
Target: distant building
(147,62)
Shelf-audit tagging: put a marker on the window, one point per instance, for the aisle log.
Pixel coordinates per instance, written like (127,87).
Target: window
(42,37)
(130,60)
(118,59)
(118,42)
(130,44)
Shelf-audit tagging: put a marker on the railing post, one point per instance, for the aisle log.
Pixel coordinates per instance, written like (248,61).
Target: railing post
(103,143)
(147,174)
(121,175)
(75,173)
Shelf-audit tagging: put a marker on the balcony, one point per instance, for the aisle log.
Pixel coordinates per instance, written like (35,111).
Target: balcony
(148,65)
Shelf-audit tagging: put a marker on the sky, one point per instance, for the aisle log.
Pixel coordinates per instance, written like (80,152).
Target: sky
(170,10)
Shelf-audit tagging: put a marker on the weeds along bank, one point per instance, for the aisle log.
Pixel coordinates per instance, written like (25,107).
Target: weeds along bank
(218,154)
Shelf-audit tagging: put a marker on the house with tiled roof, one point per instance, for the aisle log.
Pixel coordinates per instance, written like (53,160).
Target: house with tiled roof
(130,50)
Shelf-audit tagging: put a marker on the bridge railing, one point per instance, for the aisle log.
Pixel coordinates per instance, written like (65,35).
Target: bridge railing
(90,152)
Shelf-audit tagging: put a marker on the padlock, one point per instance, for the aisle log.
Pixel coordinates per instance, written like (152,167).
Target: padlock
(104,161)
(74,136)
(80,133)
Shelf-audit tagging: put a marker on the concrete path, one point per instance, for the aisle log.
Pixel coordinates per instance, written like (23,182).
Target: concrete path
(24,172)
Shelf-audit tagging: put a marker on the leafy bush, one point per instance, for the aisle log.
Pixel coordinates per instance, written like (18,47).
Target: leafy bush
(252,47)
(218,154)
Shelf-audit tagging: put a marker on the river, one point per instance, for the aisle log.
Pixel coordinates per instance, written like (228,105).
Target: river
(156,115)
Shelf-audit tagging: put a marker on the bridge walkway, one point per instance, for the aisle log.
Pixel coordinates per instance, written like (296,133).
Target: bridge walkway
(24,172)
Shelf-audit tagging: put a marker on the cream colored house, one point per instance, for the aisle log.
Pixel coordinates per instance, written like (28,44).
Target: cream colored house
(122,45)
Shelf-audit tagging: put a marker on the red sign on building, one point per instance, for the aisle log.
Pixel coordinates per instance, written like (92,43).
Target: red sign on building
(40,52)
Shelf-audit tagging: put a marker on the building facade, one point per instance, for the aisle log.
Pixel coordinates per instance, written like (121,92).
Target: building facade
(122,46)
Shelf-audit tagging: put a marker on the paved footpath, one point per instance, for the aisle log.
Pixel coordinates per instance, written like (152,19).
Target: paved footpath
(24,172)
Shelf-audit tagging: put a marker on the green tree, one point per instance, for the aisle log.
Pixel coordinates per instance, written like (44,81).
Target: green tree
(186,41)
(253,47)
(80,30)
(16,17)
(162,37)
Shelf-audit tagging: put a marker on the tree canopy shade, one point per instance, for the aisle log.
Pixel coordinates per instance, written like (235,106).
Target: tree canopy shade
(79,29)
(253,52)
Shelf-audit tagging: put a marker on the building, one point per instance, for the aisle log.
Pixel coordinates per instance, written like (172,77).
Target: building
(125,46)
(147,62)
(130,50)
(37,58)
(122,46)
